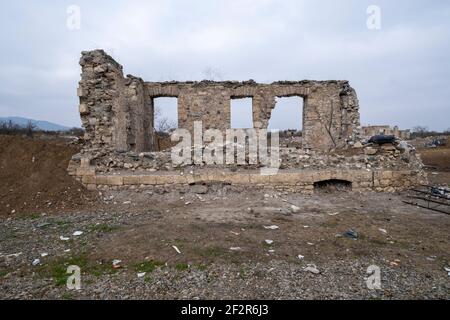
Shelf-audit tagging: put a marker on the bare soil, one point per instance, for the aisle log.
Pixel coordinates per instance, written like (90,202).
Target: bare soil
(33,175)
(220,232)
(437,161)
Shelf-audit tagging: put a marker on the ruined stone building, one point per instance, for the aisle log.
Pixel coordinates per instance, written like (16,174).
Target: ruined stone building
(369,131)
(120,146)
(117,112)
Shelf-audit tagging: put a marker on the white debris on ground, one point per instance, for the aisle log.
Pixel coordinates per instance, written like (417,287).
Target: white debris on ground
(273,227)
(176,249)
(116,263)
(312,268)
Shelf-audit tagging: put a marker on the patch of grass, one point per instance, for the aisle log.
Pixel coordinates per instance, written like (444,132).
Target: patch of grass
(330,223)
(148,266)
(57,269)
(7,234)
(63,225)
(181,266)
(67,296)
(101,269)
(213,252)
(201,266)
(379,242)
(266,245)
(103,228)
(28,216)
(3,273)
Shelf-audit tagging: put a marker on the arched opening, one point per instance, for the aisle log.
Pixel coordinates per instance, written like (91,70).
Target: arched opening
(332,185)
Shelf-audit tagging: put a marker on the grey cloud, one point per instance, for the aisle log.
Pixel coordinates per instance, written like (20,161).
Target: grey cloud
(400,72)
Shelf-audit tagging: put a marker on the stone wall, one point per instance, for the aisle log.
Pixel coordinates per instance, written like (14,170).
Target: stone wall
(118,112)
(290,180)
(114,110)
(120,147)
(330,109)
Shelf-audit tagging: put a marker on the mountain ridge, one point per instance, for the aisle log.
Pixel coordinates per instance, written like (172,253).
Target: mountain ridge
(40,124)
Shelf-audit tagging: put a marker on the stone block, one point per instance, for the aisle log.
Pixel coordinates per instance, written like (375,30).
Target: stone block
(238,178)
(85,171)
(132,180)
(164,179)
(88,179)
(147,179)
(83,109)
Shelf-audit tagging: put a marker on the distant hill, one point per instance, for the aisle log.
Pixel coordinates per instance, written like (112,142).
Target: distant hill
(40,124)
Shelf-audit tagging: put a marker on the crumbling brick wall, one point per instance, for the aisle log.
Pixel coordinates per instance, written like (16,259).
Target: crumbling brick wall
(118,113)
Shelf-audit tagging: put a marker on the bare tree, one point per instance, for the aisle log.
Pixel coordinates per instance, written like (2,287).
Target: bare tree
(30,128)
(163,124)
(9,127)
(211,73)
(420,129)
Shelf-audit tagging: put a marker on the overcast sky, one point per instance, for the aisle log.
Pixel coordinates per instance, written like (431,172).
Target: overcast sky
(401,72)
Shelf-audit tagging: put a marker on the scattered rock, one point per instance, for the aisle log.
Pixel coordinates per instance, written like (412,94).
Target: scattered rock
(370,151)
(312,268)
(199,189)
(116,263)
(351,234)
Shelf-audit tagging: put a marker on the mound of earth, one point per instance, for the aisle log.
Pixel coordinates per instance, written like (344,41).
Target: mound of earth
(34,179)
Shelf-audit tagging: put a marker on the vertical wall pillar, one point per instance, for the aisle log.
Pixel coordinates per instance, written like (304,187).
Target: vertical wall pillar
(112,108)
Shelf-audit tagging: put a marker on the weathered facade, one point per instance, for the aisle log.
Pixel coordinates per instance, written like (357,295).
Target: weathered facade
(118,112)
(120,148)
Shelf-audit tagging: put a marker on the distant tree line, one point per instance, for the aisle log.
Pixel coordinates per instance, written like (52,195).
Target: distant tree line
(11,128)
(423,132)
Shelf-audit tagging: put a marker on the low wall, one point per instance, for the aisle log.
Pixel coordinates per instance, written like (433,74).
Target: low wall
(292,180)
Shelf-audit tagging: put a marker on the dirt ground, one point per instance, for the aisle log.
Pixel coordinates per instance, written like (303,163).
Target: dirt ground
(210,242)
(34,179)
(437,161)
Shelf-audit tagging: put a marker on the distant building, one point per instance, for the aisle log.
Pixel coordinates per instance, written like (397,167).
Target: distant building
(369,131)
